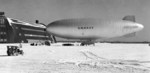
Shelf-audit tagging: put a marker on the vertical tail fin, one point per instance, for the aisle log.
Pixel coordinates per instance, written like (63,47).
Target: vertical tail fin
(129,18)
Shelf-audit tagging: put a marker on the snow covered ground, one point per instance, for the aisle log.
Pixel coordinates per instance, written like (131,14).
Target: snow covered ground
(101,58)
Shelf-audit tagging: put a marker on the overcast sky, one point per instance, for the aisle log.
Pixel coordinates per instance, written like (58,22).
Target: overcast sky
(50,10)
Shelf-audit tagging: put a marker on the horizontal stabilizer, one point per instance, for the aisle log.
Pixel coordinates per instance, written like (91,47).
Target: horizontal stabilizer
(129,18)
(130,35)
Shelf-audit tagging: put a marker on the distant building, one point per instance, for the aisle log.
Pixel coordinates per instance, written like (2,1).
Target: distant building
(15,31)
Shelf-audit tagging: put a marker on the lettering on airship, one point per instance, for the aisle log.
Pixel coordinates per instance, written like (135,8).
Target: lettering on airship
(85,27)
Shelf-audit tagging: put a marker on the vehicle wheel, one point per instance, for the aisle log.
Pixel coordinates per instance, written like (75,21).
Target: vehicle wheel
(21,52)
(15,54)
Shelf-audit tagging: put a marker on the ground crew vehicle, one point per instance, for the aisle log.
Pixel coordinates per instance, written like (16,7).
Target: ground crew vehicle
(14,51)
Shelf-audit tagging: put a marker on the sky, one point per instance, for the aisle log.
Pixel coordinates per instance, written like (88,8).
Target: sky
(47,11)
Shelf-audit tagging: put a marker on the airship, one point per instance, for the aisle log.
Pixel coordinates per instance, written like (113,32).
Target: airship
(93,29)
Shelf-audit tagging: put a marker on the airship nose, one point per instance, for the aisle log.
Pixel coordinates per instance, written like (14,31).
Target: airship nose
(50,28)
(54,28)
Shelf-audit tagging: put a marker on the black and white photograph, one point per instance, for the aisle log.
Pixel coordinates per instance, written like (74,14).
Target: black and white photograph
(74,36)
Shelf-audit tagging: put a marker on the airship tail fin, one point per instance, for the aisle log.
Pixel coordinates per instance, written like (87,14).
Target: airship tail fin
(130,35)
(129,18)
